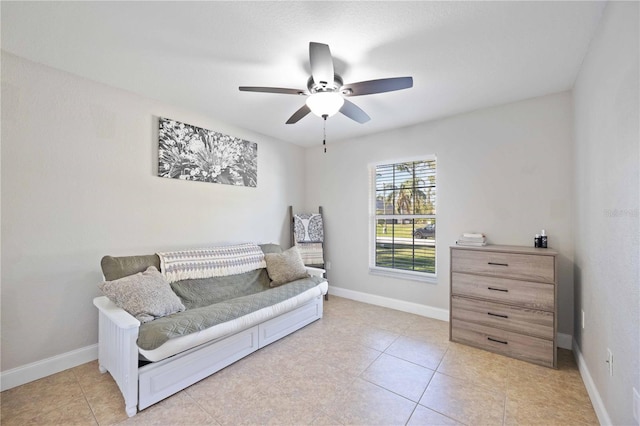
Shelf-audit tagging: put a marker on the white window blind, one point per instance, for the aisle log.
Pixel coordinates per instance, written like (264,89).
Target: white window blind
(404,217)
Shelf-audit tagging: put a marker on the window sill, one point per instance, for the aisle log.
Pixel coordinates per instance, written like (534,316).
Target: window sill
(405,275)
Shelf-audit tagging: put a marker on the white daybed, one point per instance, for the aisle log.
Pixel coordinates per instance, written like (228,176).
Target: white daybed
(148,376)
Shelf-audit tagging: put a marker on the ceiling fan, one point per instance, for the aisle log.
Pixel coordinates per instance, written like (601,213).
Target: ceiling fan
(326,91)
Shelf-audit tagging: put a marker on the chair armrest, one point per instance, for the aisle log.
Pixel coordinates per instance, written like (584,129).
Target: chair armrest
(120,317)
(318,272)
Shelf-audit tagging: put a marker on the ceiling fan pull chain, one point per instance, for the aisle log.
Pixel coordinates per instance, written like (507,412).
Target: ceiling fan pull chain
(324,133)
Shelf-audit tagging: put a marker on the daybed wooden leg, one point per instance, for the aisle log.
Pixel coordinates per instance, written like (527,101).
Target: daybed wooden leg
(131,410)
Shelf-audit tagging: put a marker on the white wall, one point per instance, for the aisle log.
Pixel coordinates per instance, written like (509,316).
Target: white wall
(606,216)
(79,163)
(505,171)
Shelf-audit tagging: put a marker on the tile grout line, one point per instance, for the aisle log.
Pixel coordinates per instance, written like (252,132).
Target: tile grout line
(410,362)
(427,387)
(411,415)
(186,391)
(84,395)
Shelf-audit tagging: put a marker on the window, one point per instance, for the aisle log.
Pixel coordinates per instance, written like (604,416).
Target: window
(404,219)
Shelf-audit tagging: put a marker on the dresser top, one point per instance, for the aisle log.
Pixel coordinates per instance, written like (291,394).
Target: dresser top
(510,249)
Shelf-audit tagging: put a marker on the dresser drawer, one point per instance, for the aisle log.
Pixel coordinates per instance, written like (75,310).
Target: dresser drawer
(522,293)
(527,348)
(519,320)
(507,265)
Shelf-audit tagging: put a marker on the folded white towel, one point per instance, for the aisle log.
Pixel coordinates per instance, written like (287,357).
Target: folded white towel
(472,239)
(472,235)
(471,243)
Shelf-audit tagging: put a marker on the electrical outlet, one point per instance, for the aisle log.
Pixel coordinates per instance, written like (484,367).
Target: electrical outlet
(609,361)
(583,319)
(636,405)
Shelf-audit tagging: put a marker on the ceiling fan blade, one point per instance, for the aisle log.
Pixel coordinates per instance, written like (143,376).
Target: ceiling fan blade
(354,112)
(299,114)
(279,90)
(377,86)
(321,63)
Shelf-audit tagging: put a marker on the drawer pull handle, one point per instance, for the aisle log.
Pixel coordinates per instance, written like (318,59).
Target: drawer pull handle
(497,264)
(498,289)
(498,341)
(497,315)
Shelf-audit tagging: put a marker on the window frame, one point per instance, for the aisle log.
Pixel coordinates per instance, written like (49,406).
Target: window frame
(373,218)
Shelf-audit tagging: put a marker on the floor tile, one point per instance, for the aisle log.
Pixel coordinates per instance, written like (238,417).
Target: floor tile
(539,395)
(386,319)
(548,410)
(229,383)
(324,419)
(371,337)
(233,408)
(567,371)
(535,381)
(179,409)
(102,394)
(426,354)
(38,397)
(428,329)
(423,416)
(107,404)
(464,401)
(367,404)
(346,355)
(76,412)
(260,403)
(314,385)
(476,366)
(399,376)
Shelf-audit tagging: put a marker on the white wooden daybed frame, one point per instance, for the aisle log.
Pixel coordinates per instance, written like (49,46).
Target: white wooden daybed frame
(150,383)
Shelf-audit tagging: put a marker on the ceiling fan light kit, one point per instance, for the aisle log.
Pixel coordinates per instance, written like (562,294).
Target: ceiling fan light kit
(325,103)
(326,92)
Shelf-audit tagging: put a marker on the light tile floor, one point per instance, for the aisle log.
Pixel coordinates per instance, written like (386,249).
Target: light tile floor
(361,364)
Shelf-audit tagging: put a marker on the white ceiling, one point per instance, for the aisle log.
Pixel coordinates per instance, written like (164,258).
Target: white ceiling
(462,55)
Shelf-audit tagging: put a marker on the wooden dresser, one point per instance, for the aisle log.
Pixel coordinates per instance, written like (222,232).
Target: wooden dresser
(504,299)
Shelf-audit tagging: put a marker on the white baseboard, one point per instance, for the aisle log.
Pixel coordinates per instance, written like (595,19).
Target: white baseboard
(387,302)
(592,390)
(46,367)
(564,341)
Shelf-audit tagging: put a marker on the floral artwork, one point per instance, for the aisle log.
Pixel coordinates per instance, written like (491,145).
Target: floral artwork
(192,153)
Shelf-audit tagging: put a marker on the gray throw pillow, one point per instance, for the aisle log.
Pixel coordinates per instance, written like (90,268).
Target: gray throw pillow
(146,295)
(285,267)
(271,248)
(115,268)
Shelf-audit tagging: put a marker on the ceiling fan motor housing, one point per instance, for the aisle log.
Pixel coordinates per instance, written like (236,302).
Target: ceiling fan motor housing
(323,86)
